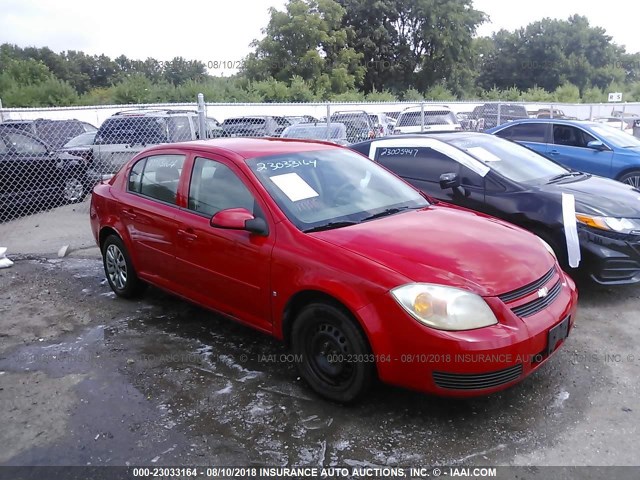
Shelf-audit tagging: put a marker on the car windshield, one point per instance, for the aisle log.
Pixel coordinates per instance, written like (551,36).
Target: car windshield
(332,188)
(413,119)
(81,140)
(132,129)
(315,132)
(509,159)
(616,137)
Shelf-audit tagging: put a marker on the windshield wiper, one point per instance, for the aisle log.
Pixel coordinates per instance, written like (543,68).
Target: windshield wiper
(565,175)
(386,213)
(329,226)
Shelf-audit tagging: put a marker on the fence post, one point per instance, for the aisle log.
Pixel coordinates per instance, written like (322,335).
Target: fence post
(623,123)
(498,122)
(422,117)
(551,111)
(328,121)
(1,113)
(202,122)
(590,113)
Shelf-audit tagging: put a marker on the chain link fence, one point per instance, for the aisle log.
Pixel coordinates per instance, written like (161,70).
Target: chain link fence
(54,156)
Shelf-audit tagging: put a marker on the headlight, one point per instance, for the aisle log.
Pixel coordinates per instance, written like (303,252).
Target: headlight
(444,308)
(548,247)
(620,225)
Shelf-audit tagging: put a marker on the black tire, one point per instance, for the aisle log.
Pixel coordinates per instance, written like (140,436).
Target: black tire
(119,270)
(335,355)
(73,189)
(631,178)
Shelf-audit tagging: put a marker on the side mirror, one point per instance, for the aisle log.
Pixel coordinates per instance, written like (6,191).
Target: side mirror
(449,180)
(597,145)
(239,219)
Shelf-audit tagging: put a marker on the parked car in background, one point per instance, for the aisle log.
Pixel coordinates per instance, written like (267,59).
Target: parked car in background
(358,123)
(301,119)
(356,270)
(335,132)
(252,126)
(381,124)
(486,116)
(465,121)
(509,181)
(552,113)
(31,177)
(55,133)
(618,123)
(126,133)
(78,180)
(436,118)
(580,145)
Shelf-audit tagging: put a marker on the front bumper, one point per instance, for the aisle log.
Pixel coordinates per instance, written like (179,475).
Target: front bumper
(467,363)
(610,258)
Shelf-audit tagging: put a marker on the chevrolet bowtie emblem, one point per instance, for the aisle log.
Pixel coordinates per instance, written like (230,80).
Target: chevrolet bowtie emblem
(543,292)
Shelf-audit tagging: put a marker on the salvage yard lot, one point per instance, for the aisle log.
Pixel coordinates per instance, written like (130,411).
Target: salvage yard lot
(88,378)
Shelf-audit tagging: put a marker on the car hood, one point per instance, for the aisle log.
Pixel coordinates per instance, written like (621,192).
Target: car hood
(600,196)
(450,246)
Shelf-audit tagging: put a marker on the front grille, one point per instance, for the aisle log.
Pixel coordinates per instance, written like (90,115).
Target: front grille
(476,381)
(538,304)
(529,288)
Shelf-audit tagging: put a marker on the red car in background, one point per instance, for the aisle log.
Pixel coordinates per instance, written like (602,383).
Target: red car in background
(363,276)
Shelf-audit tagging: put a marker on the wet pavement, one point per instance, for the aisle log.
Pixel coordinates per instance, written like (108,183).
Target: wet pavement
(88,378)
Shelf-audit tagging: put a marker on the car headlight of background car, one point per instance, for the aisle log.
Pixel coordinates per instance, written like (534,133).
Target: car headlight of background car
(612,224)
(444,308)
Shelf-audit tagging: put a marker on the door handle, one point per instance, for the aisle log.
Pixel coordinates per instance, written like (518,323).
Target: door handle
(554,152)
(187,235)
(129,214)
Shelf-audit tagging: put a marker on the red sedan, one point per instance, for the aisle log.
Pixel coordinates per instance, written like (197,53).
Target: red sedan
(363,276)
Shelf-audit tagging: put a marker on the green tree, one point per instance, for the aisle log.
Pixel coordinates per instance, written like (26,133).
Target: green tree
(306,40)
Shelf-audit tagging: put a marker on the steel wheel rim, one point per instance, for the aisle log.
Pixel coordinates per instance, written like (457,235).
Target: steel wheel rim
(633,181)
(327,350)
(116,267)
(73,189)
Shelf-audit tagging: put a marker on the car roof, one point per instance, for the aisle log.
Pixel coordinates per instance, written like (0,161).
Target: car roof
(549,120)
(427,108)
(249,147)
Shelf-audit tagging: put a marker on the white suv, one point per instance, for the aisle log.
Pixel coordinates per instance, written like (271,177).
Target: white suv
(437,118)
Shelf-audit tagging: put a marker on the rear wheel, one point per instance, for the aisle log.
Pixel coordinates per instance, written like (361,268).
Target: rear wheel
(336,360)
(119,270)
(631,178)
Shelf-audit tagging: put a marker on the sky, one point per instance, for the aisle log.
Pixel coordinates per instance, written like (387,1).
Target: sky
(221,30)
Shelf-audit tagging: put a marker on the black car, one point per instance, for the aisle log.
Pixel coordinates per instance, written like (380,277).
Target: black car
(486,116)
(79,182)
(32,177)
(55,133)
(591,223)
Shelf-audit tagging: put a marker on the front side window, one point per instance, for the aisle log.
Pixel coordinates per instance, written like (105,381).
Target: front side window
(24,145)
(215,187)
(570,136)
(328,188)
(179,129)
(159,179)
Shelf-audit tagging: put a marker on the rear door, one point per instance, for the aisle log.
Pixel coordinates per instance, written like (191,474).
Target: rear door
(532,134)
(148,210)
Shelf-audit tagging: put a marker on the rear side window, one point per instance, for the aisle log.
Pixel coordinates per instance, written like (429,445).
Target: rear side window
(57,133)
(132,130)
(179,129)
(22,144)
(157,177)
(421,163)
(525,132)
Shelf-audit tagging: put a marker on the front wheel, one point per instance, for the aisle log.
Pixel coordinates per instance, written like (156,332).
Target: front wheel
(73,189)
(119,270)
(631,178)
(336,360)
